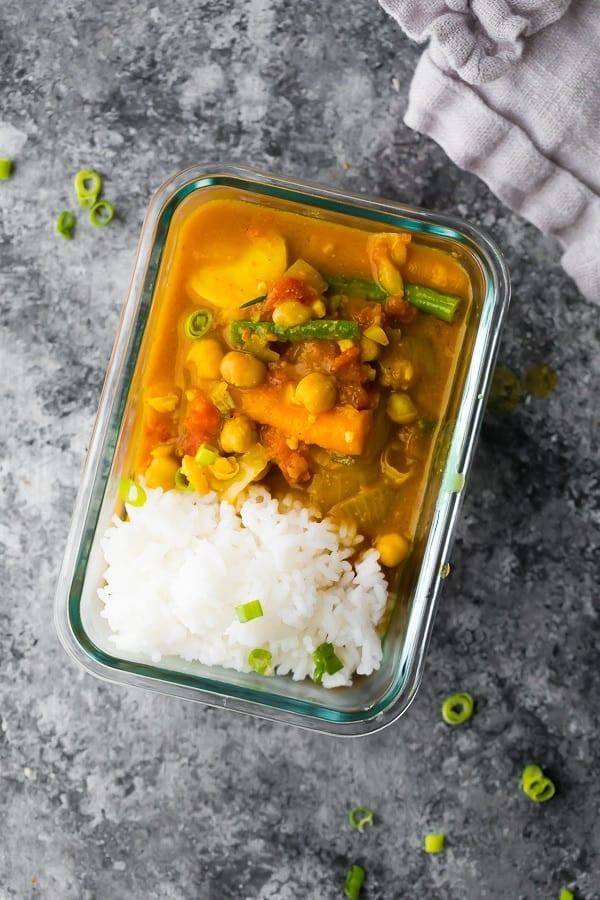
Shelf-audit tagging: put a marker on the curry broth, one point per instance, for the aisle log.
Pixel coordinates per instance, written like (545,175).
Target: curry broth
(223,253)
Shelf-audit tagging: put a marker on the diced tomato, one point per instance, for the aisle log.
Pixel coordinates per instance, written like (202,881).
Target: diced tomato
(368,315)
(346,358)
(292,463)
(400,311)
(201,424)
(288,288)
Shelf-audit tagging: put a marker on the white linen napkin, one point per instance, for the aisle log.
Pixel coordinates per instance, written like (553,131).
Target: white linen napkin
(511,90)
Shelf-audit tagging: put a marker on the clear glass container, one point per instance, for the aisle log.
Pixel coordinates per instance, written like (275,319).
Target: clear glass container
(371,702)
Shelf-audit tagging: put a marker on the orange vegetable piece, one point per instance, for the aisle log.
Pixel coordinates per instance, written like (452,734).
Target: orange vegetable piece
(342,429)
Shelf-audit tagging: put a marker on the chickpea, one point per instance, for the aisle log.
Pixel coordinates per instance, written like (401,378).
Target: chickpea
(242,369)
(369,350)
(206,355)
(237,435)
(393,549)
(316,392)
(401,409)
(291,312)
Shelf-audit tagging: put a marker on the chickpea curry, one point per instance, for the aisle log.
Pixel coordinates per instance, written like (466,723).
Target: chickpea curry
(307,355)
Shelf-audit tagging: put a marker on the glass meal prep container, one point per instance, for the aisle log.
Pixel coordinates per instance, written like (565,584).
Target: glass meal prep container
(371,701)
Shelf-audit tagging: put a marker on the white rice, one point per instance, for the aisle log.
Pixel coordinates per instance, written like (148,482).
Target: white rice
(181,563)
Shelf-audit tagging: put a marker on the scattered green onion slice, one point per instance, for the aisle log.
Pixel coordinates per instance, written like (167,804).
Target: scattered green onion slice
(540,381)
(131,493)
(435,843)
(260,660)
(206,456)
(198,323)
(182,482)
(457,709)
(505,391)
(65,224)
(248,611)
(88,185)
(326,662)
(354,882)
(566,894)
(5,169)
(536,785)
(254,301)
(101,213)
(361,816)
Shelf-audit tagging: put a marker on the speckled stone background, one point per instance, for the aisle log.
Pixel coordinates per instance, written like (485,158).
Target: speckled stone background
(110,793)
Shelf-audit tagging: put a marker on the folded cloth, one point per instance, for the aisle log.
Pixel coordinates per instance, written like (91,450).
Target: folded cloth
(511,90)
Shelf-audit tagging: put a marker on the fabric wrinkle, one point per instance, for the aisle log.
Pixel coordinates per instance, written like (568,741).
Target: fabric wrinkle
(510,92)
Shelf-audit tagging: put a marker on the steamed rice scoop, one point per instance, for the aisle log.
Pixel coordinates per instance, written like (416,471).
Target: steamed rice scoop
(185,572)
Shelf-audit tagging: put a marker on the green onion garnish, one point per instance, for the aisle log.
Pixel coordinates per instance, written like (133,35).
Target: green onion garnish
(457,709)
(536,785)
(5,169)
(326,662)
(354,882)
(260,660)
(101,213)
(361,816)
(65,224)
(88,185)
(253,302)
(435,843)
(205,455)
(198,323)
(248,611)
(182,482)
(131,493)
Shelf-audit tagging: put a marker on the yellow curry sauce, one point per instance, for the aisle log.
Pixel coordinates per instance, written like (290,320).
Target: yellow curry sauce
(331,384)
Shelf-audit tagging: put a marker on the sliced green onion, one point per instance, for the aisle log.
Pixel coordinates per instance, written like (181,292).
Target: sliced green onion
(315,330)
(457,709)
(435,843)
(248,611)
(101,213)
(442,306)
(361,816)
(205,455)
(540,381)
(5,169)
(326,662)
(88,185)
(260,660)
(505,391)
(182,482)
(253,302)
(536,785)
(354,882)
(65,224)
(198,323)
(566,894)
(131,493)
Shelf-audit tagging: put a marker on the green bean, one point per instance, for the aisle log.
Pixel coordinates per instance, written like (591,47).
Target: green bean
(315,330)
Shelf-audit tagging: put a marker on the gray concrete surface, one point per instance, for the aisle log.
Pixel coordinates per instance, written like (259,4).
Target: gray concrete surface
(109,793)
